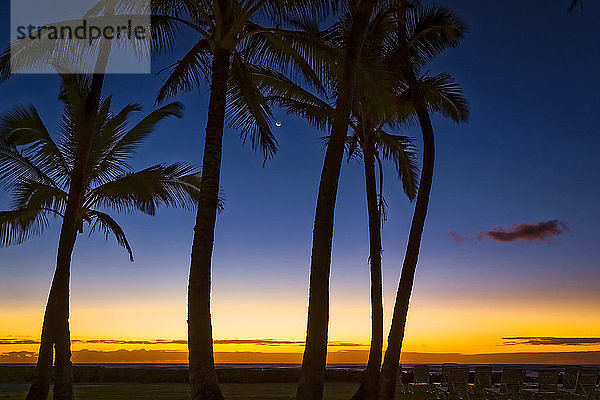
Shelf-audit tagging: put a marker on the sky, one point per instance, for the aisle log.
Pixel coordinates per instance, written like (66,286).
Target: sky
(509,257)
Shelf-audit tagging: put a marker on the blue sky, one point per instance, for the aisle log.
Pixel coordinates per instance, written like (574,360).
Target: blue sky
(528,154)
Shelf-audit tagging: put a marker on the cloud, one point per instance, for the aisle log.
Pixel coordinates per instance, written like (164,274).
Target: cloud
(257,342)
(123,355)
(18,341)
(18,357)
(458,238)
(129,342)
(525,232)
(260,342)
(21,341)
(274,342)
(549,340)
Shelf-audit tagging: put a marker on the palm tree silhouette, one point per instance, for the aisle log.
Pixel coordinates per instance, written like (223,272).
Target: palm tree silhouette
(41,168)
(24,55)
(371,142)
(312,374)
(421,34)
(372,118)
(378,105)
(242,59)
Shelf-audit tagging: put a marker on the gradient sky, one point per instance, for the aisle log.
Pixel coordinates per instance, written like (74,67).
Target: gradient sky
(527,155)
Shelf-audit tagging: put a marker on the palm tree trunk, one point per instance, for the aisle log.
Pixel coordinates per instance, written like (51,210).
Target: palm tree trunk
(40,386)
(370,380)
(203,377)
(312,375)
(389,372)
(55,328)
(59,306)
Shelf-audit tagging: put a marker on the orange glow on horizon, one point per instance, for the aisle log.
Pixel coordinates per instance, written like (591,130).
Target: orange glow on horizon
(433,328)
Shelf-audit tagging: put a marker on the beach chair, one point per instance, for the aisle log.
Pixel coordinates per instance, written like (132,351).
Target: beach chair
(445,377)
(483,375)
(585,384)
(400,385)
(446,369)
(421,380)
(587,378)
(459,382)
(511,384)
(483,380)
(570,378)
(547,386)
(569,384)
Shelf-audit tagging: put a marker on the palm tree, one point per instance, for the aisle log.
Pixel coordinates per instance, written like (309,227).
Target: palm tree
(422,33)
(312,375)
(27,54)
(372,118)
(374,144)
(41,168)
(369,141)
(368,93)
(241,58)
(377,106)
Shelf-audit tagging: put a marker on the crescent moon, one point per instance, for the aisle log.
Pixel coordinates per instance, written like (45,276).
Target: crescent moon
(278,124)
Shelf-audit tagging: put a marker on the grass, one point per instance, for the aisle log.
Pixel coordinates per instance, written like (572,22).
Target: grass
(176,391)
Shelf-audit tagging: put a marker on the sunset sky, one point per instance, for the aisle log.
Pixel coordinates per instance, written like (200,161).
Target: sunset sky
(485,283)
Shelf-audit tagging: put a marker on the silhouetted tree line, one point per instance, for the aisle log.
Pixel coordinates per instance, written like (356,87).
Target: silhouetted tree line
(101,374)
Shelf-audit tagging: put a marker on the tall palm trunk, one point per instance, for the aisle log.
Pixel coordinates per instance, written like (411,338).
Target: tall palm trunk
(312,375)
(203,377)
(59,296)
(55,317)
(55,328)
(370,380)
(389,372)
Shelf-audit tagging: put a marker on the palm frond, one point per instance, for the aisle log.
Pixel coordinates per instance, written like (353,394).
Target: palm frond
(383,207)
(31,194)
(288,52)
(401,151)
(247,108)
(16,226)
(14,166)
(323,49)
(189,72)
(294,99)
(444,95)
(175,185)
(104,222)
(75,93)
(27,149)
(106,134)
(111,128)
(279,11)
(431,30)
(165,32)
(120,144)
